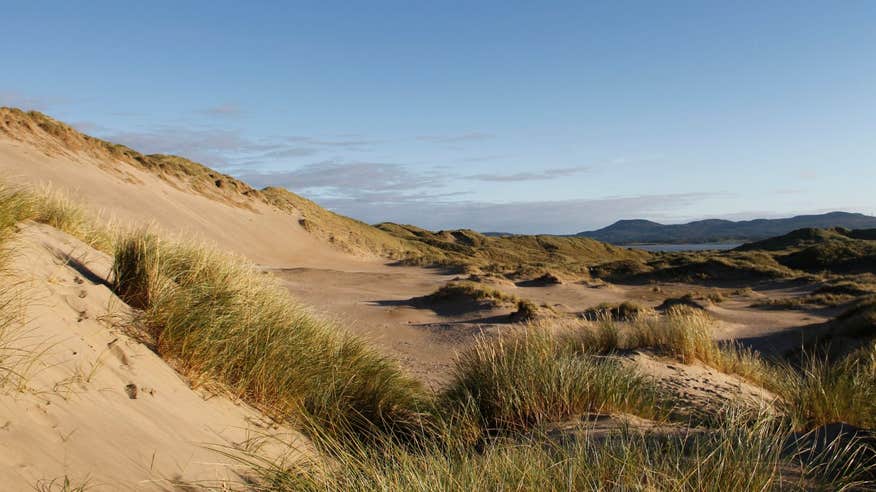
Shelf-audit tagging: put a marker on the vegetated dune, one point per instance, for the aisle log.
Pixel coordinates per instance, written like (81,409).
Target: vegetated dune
(222,322)
(177,195)
(271,226)
(82,398)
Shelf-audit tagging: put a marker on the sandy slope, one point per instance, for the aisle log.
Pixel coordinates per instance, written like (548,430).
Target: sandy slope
(131,195)
(97,404)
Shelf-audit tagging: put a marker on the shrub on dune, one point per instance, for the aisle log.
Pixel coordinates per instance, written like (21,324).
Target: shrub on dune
(218,319)
(522,380)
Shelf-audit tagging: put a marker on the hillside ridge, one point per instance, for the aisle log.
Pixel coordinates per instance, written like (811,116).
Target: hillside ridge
(409,245)
(640,231)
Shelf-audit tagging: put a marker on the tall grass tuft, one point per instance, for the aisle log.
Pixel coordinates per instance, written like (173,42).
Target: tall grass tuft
(822,391)
(51,207)
(538,376)
(218,319)
(686,334)
(56,209)
(745,452)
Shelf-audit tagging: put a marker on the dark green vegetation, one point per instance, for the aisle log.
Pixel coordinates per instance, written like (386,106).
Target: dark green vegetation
(819,250)
(469,292)
(805,254)
(714,231)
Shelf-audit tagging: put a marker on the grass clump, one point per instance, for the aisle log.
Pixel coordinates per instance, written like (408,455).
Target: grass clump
(17,359)
(526,311)
(625,311)
(471,291)
(537,376)
(686,334)
(53,208)
(743,453)
(821,391)
(218,319)
(809,301)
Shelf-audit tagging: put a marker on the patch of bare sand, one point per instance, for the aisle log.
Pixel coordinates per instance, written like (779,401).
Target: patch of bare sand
(97,405)
(699,389)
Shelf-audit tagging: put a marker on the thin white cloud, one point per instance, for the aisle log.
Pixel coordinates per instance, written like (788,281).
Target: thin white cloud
(547,174)
(552,217)
(350,178)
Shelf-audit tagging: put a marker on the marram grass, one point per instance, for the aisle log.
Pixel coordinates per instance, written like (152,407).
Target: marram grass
(517,381)
(744,452)
(218,319)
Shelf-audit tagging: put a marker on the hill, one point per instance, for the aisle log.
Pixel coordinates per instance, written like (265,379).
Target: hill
(797,254)
(816,250)
(515,256)
(272,225)
(715,230)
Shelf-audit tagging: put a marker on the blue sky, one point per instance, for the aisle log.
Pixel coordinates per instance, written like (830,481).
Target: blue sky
(549,117)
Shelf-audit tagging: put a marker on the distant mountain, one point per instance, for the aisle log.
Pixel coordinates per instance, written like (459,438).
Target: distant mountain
(715,230)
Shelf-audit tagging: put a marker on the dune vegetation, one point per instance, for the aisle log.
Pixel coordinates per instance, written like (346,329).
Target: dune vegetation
(493,424)
(519,257)
(218,319)
(470,291)
(229,328)
(805,254)
(745,451)
(540,376)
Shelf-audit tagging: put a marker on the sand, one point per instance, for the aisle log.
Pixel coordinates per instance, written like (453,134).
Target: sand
(136,197)
(96,405)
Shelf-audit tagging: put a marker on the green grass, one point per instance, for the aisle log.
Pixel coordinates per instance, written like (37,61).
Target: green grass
(821,391)
(217,319)
(835,292)
(624,311)
(472,291)
(528,311)
(817,391)
(809,301)
(686,334)
(518,381)
(52,208)
(744,452)
(521,257)
(698,267)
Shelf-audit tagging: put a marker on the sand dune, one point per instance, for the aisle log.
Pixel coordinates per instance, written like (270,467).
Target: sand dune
(95,405)
(134,196)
